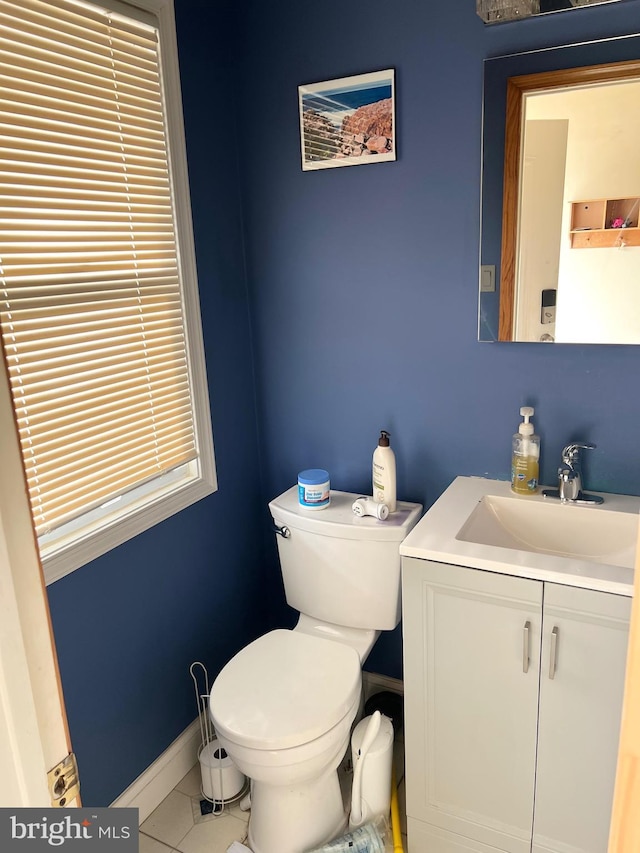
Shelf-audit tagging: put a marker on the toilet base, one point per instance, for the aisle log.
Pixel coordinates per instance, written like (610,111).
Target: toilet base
(293,819)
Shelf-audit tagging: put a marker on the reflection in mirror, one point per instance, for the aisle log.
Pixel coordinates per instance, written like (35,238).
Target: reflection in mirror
(560,244)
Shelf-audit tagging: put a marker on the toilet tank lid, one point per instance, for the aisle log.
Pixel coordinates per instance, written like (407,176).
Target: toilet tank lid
(285,689)
(339,520)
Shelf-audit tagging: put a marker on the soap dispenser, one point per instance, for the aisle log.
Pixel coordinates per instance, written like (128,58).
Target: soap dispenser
(525,457)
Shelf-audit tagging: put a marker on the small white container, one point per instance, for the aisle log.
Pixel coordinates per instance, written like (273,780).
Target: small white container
(314,488)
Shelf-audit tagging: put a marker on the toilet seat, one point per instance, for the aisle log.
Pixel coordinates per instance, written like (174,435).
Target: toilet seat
(285,689)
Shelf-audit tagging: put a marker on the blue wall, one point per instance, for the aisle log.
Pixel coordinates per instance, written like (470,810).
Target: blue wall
(363,280)
(357,312)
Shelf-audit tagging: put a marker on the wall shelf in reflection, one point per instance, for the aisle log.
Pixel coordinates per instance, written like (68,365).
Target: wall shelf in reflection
(592,223)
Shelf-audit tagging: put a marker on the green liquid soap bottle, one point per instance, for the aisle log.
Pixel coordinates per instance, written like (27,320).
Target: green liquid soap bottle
(525,456)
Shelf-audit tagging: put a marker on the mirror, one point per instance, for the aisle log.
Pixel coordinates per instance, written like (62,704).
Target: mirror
(560,242)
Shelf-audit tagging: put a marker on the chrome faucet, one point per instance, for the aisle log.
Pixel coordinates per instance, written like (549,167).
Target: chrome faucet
(570,477)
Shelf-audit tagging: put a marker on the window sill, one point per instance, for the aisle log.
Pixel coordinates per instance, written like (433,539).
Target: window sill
(62,558)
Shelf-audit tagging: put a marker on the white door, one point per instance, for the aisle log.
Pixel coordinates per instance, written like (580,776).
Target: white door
(33,728)
(472,657)
(544,164)
(584,649)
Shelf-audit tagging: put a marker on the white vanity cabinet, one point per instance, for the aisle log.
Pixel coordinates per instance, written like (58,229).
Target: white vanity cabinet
(585,636)
(513,695)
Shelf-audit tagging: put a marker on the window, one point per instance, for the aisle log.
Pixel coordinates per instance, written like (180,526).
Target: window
(98,293)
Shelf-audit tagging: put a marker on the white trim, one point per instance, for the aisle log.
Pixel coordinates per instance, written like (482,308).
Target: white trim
(373,682)
(170,70)
(161,777)
(86,548)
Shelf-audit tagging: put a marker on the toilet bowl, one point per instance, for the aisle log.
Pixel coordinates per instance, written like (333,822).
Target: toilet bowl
(283,711)
(283,707)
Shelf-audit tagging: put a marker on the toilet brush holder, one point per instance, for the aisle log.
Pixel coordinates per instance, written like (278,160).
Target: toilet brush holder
(221,779)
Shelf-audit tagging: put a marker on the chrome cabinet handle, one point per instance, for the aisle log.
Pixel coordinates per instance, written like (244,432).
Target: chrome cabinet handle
(553,662)
(282,531)
(525,646)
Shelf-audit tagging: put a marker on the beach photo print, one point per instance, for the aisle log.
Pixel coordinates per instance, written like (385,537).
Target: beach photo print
(348,121)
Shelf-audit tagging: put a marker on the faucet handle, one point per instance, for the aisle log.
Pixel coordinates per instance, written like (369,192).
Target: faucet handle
(571,452)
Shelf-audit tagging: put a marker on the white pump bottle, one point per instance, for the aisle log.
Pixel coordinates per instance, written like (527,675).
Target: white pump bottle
(384,473)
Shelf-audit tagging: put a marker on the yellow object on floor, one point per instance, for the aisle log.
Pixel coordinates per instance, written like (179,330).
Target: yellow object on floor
(395,815)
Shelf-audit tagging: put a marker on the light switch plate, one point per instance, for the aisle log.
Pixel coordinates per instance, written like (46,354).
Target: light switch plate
(487,278)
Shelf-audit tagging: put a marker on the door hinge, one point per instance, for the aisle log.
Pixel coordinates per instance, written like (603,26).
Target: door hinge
(64,784)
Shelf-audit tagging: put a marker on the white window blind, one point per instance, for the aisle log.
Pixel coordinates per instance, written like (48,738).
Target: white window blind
(91,308)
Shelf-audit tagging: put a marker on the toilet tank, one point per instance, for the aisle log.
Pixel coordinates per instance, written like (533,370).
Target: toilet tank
(340,567)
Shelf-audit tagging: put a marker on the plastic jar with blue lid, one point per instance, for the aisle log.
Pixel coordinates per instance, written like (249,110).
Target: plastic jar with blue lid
(314,488)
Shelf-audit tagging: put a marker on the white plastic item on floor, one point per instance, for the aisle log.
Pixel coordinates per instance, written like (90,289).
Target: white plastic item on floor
(237,847)
(372,757)
(368,838)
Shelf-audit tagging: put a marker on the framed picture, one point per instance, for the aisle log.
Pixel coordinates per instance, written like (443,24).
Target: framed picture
(348,121)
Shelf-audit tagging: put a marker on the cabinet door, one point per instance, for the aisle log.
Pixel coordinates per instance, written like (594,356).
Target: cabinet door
(581,687)
(471,665)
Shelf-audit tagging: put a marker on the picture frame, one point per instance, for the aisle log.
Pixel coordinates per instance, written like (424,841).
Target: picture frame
(348,121)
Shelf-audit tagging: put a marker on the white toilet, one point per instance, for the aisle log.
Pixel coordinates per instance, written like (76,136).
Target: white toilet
(284,705)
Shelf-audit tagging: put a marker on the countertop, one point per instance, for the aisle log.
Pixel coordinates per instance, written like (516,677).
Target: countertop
(435,537)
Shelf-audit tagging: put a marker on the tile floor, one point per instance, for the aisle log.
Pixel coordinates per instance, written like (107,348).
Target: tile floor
(177,826)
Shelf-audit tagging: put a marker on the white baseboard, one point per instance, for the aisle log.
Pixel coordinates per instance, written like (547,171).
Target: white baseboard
(373,682)
(161,777)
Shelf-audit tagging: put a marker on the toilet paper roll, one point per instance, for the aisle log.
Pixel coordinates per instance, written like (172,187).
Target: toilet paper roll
(221,779)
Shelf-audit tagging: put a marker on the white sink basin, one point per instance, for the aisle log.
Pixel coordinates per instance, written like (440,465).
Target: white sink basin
(481,524)
(589,533)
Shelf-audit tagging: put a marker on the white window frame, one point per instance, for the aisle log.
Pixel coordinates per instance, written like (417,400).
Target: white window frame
(145,507)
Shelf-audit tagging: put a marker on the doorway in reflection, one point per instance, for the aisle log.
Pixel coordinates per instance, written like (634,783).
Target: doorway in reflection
(577,266)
